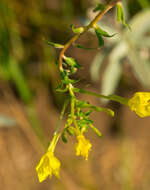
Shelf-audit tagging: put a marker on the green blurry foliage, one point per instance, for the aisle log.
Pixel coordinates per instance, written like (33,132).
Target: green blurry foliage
(23,24)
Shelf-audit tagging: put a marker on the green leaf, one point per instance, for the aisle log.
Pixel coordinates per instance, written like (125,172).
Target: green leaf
(120,15)
(69,120)
(99,7)
(103,32)
(88,113)
(70,131)
(71,62)
(84,122)
(63,74)
(99,36)
(82,47)
(84,104)
(64,136)
(96,131)
(77,30)
(61,89)
(65,79)
(54,44)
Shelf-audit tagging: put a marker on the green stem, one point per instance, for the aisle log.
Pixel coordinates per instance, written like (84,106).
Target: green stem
(61,116)
(54,142)
(115,98)
(56,133)
(73,105)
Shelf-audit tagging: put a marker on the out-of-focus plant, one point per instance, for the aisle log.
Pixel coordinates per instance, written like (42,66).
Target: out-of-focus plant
(79,121)
(12,55)
(144,4)
(23,51)
(134,46)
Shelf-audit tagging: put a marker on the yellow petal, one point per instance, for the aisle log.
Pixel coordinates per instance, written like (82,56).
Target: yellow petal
(83,146)
(55,166)
(140,103)
(47,166)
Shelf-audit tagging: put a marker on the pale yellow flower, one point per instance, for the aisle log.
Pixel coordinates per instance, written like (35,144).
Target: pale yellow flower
(140,103)
(47,166)
(83,146)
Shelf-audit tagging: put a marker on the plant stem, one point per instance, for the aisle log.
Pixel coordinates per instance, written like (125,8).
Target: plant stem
(54,142)
(61,116)
(110,97)
(73,105)
(86,28)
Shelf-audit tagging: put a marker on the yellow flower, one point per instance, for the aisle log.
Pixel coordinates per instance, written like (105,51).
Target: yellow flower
(83,146)
(47,166)
(140,103)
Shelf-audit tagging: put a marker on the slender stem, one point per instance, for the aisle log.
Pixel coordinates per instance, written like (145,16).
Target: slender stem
(66,46)
(115,98)
(73,105)
(90,93)
(86,28)
(61,116)
(56,133)
(102,13)
(54,142)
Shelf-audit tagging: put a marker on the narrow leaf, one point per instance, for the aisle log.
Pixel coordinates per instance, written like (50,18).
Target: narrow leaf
(121,16)
(96,131)
(64,137)
(77,30)
(82,47)
(70,131)
(103,32)
(84,104)
(54,44)
(99,36)
(71,62)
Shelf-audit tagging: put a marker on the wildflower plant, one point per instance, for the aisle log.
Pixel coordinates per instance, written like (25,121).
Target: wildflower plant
(79,122)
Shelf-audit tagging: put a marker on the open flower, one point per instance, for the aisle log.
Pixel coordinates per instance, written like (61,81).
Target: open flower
(83,146)
(47,166)
(140,103)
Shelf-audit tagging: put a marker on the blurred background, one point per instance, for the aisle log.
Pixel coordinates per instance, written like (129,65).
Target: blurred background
(30,107)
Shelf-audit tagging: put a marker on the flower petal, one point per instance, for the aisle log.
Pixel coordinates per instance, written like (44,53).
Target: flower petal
(140,103)
(83,146)
(47,166)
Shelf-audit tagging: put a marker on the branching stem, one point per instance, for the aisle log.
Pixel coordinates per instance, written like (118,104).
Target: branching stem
(86,28)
